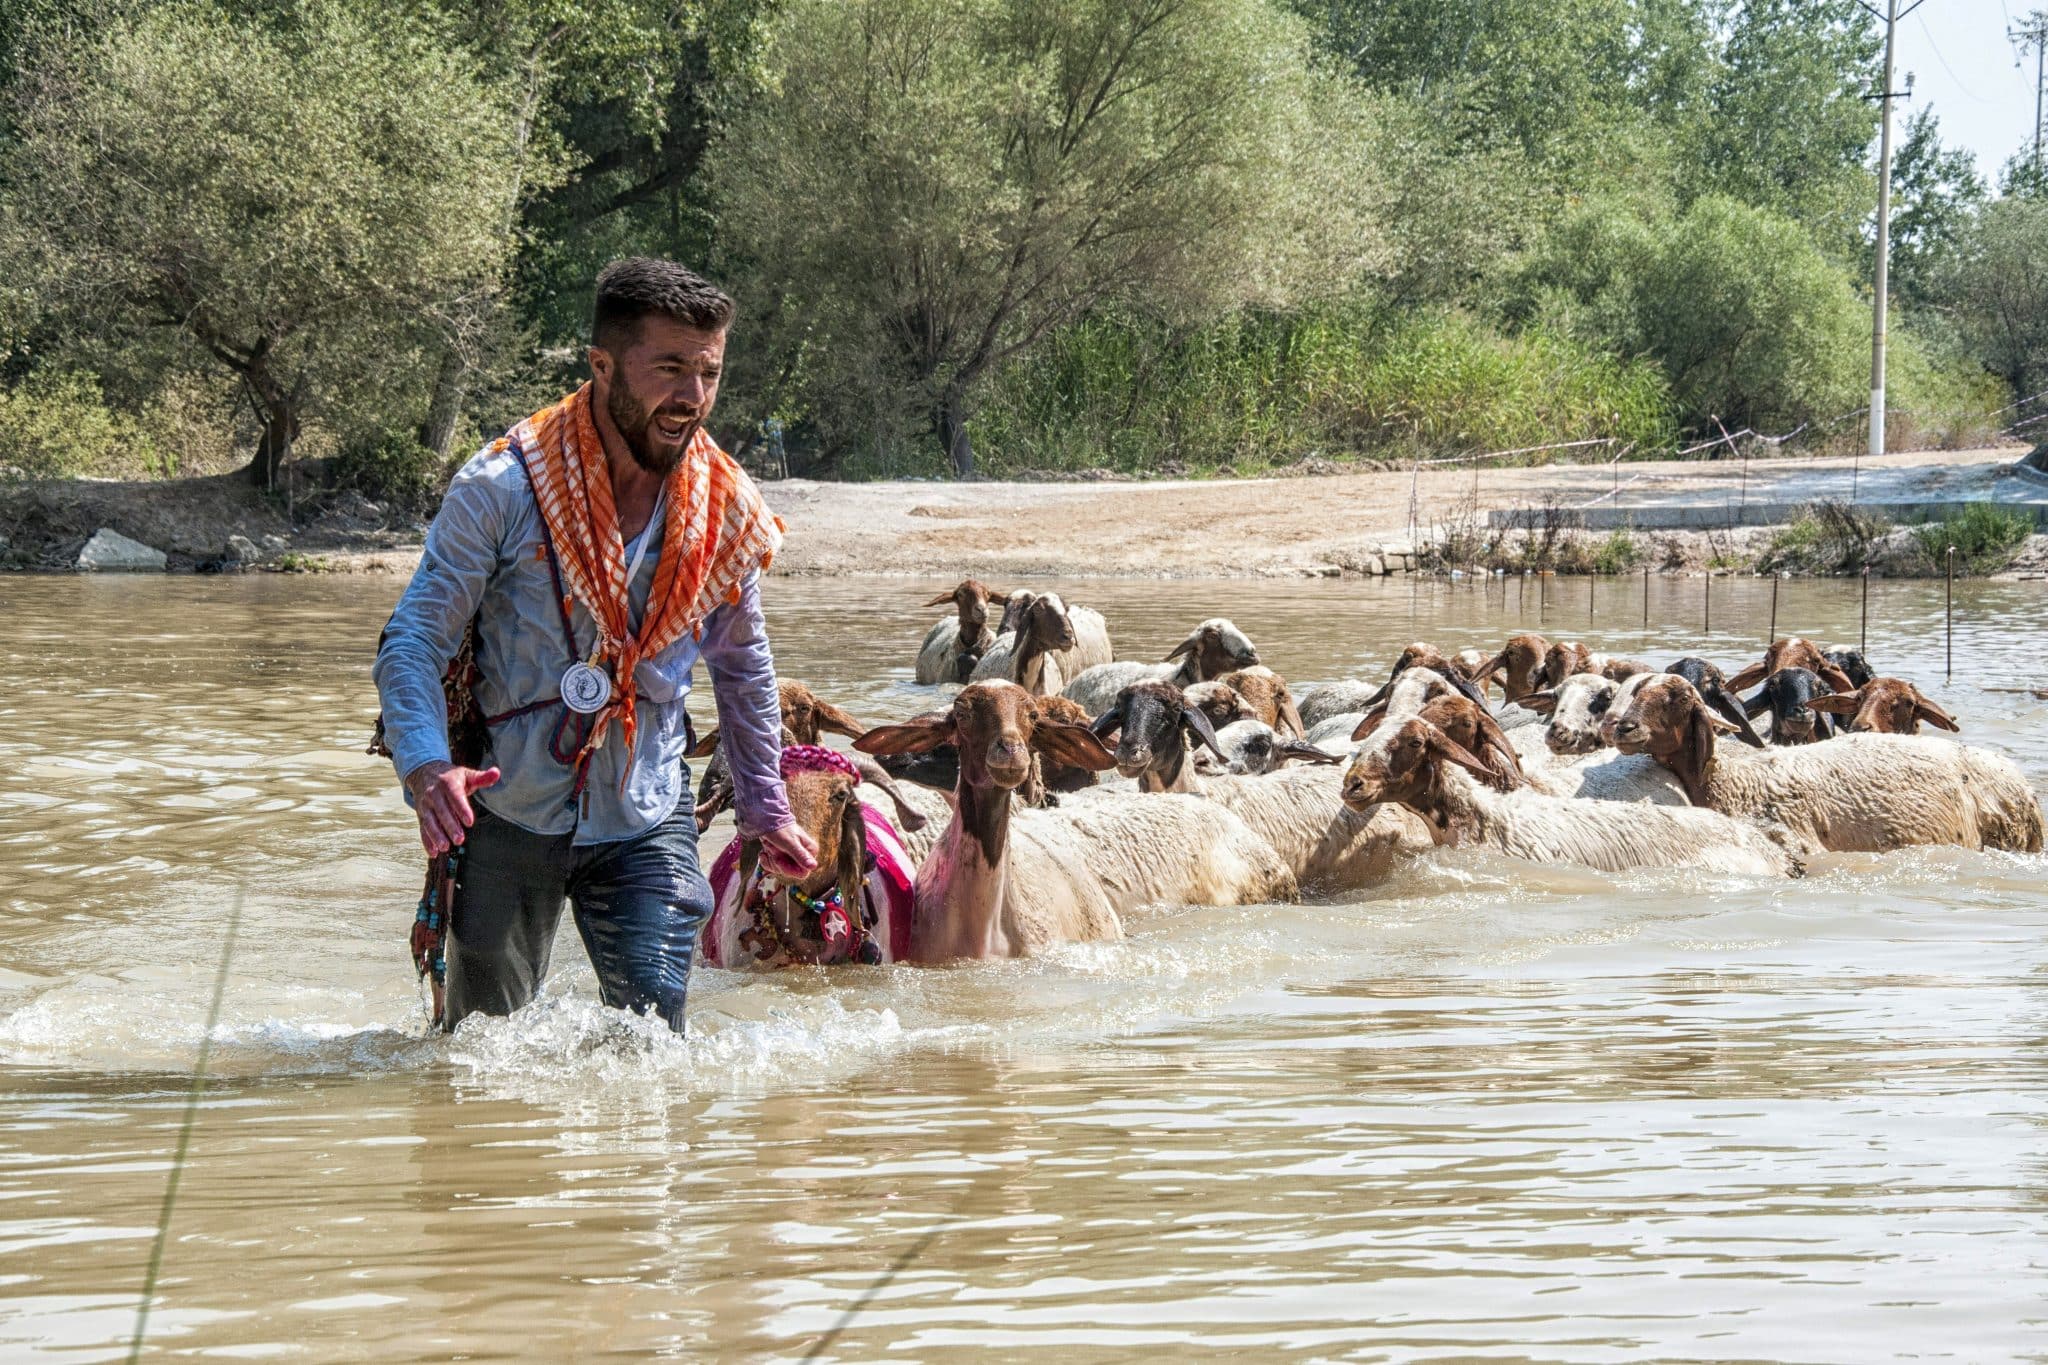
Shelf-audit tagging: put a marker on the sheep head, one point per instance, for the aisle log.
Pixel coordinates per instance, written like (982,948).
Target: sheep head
(1565,659)
(1666,719)
(1267,694)
(1708,680)
(1469,725)
(1885,706)
(971,600)
(996,727)
(1214,648)
(807,715)
(1155,725)
(1408,771)
(1220,702)
(1791,651)
(1519,664)
(1789,695)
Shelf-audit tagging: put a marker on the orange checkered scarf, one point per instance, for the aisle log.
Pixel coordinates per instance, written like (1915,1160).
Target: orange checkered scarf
(715,531)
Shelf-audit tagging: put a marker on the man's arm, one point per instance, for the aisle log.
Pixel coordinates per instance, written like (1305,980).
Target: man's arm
(735,650)
(425,631)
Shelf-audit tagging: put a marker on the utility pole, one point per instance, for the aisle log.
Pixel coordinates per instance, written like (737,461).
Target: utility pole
(1891,16)
(2034,33)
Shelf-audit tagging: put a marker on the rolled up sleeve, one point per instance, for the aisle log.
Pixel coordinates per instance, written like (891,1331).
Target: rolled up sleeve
(426,627)
(735,650)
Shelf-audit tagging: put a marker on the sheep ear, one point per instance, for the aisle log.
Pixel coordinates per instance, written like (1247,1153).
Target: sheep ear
(1074,745)
(918,735)
(1695,755)
(1467,688)
(1490,667)
(1756,705)
(1493,740)
(1109,722)
(1370,723)
(711,803)
(837,721)
(1718,725)
(853,858)
(909,819)
(1833,676)
(1926,710)
(1301,751)
(1183,649)
(1290,716)
(706,745)
(1542,703)
(1838,703)
(1749,677)
(1731,710)
(940,600)
(1379,698)
(1194,720)
(1448,749)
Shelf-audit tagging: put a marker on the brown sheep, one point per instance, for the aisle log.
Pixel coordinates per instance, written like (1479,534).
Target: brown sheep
(1793,652)
(1519,664)
(1267,694)
(1885,706)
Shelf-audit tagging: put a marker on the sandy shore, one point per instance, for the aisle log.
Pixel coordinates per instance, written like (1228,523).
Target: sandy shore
(1281,527)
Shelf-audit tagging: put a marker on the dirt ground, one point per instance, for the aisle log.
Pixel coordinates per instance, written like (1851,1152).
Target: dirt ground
(1283,527)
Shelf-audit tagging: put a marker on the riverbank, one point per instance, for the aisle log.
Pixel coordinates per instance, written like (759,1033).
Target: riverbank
(1353,522)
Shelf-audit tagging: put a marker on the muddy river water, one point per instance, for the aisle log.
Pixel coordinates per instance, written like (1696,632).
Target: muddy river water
(1485,1111)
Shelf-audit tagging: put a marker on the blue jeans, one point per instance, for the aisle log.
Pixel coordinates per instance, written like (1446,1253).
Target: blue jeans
(639,903)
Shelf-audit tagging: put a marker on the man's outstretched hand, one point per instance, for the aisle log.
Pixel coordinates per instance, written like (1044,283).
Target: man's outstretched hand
(790,852)
(440,797)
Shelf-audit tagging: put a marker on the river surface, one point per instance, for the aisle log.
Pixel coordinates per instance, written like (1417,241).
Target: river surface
(1489,1110)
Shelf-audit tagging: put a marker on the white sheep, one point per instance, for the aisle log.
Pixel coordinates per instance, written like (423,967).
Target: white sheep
(954,645)
(1004,884)
(1425,771)
(1295,810)
(1856,793)
(1043,642)
(1212,649)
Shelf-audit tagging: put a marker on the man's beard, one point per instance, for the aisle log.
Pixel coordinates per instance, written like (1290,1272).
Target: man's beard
(650,450)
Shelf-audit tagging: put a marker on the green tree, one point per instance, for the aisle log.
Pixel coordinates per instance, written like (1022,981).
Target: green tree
(937,184)
(1997,285)
(1936,192)
(1788,127)
(297,196)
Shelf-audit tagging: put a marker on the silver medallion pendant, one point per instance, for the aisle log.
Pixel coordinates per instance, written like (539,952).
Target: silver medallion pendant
(585,688)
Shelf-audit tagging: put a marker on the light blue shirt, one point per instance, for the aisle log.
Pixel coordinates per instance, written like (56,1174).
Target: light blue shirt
(485,560)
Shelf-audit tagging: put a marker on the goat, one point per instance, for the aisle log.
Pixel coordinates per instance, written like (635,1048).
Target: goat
(953,646)
(1424,770)
(1791,651)
(1885,706)
(1862,793)
(999,884)
(1789,695)
(1211,649)
(1295,810)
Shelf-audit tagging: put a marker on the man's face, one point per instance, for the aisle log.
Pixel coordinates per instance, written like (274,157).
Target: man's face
(659,389)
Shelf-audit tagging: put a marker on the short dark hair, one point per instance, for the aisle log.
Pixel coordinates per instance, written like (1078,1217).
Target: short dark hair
(630,289)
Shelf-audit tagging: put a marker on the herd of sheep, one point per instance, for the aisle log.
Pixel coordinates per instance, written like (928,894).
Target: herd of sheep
(1059,789)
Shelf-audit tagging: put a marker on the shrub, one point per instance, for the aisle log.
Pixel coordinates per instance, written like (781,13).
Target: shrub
(1826,537)
(391,466)
(1985,535)
(54,425)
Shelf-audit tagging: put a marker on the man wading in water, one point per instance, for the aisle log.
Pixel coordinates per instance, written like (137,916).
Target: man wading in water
(588,559)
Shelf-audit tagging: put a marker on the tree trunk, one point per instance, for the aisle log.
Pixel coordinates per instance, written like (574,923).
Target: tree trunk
(952,424)
(279,413)
(444,409)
